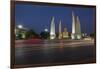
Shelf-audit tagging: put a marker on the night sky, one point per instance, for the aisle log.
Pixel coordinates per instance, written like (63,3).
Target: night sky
(38,17)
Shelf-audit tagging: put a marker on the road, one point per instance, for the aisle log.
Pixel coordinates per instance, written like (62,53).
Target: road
(54,52)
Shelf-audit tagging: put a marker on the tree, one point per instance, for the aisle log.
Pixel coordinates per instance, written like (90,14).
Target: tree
(31,34)
(44,35)
(18,36)
(92,35)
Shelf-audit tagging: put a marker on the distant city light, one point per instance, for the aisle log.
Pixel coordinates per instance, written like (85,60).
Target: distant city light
(20,26)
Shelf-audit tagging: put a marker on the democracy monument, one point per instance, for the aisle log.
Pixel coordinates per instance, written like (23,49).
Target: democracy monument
(76,29)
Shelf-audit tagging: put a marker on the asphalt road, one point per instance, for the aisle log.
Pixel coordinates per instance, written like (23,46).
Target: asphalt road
(54,52)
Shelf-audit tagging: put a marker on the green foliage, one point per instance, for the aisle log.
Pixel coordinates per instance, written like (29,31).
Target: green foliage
(31,34)
(92,35)
(18,36)
(44,35)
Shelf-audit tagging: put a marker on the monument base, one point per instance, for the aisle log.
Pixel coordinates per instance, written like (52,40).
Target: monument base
(76,36)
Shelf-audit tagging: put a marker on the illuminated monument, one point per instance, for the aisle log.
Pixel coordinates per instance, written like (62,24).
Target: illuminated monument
(76,29)
(52,29)
(65,33)
(60,33)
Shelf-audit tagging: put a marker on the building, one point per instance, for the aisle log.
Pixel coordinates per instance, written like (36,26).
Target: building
(20,33)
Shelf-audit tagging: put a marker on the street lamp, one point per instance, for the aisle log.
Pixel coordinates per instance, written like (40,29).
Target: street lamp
(20,26)
(46,30)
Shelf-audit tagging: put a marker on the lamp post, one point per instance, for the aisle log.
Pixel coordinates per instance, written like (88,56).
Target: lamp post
(46,30)
(20,26)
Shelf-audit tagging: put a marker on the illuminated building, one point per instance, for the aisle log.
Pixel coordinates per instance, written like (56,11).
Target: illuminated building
(20,32)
